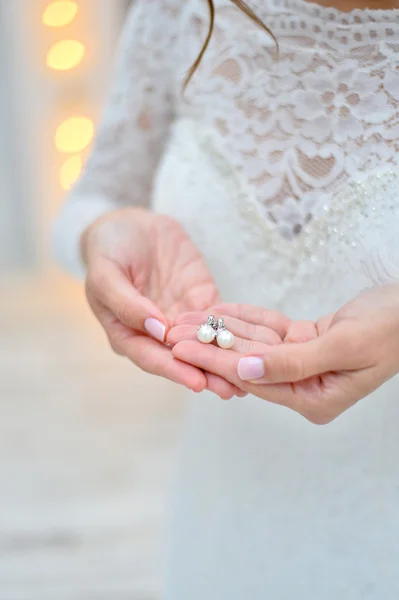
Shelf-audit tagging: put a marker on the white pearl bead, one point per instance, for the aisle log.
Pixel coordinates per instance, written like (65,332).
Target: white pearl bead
(206,334)
(225,339)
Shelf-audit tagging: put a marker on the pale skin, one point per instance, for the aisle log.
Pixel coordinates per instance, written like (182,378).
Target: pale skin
(150,289)
(318,369)
(144,266)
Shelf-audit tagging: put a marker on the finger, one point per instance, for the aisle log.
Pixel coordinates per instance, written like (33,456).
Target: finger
(251,332)
(163,364)
(225,363)
(113,289)
(152,357)
(192,318)
(210,359)
(181,333)
(242,329)
(280,363)
(174,371)
(255,315)
(301,331)
(340,349)
(221,387)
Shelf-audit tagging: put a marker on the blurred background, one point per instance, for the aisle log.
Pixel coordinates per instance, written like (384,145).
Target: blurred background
(86,441)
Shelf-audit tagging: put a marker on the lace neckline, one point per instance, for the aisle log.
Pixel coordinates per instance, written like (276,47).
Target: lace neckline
(356,16)
(341,31)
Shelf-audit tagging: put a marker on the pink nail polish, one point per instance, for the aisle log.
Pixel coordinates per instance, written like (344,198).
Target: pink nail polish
(155,328)
(251,368)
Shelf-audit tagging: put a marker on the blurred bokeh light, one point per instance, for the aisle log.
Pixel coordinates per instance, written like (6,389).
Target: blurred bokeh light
(70,171)
(65,55)
(60,13)
(84,462)
(74,134)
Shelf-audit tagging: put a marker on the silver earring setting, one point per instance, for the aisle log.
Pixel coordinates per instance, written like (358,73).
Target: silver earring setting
(224,337)
(206,333)
(210,330)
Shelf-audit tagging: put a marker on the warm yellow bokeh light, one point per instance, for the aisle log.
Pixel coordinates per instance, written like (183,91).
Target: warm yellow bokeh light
(74,134)
(70,171)
(65,55)
(60,13)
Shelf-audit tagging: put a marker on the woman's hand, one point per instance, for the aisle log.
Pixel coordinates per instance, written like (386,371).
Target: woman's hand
(321,369)
(143,270)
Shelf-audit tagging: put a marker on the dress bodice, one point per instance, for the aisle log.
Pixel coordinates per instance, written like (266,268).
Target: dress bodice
(294,139)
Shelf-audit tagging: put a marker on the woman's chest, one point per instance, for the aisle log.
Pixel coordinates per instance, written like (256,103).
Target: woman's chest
(298,128)
(348,246)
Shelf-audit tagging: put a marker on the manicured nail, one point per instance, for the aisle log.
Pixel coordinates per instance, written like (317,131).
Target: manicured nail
(155,328)
(250,368)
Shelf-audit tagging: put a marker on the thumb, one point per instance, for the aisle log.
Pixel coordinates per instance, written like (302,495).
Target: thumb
(295,362)
(110,285)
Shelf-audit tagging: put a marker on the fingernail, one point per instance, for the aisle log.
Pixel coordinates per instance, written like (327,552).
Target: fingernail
(155,328)
(250,368)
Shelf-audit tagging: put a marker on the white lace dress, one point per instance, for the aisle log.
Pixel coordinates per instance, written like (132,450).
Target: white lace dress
(286,175)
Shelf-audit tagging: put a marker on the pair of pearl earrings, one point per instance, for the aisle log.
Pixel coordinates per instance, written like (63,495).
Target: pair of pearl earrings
(210,330)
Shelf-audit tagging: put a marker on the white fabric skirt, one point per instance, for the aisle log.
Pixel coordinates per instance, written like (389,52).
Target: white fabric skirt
(269,506)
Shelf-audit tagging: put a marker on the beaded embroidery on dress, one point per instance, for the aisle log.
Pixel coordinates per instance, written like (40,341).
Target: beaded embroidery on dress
(297,127)
(289,132)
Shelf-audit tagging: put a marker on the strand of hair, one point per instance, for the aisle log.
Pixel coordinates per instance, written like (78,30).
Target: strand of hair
(240,4)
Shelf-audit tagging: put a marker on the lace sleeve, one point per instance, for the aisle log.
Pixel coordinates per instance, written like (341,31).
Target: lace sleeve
(133,131)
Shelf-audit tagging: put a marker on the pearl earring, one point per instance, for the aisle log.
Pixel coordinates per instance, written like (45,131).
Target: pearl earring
(224,337)
(206,333)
